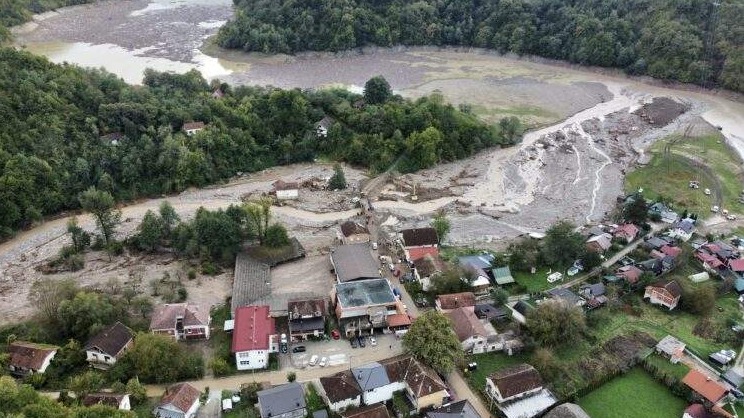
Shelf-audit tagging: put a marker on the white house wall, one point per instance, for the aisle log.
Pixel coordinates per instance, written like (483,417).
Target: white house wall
(46,362)
(257,359)
(382,394)
(98,357)
(344,404)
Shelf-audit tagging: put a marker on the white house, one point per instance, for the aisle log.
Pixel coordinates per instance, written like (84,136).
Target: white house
(254,337)
(472,333)
(29,358)
(373,380)
(192,128)
(340,391)
(286,190)
(518,391)
(118,401)
(181,321)
(109,345)
(682,230)
(179,401)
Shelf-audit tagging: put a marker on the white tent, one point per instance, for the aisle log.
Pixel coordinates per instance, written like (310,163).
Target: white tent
(699,277)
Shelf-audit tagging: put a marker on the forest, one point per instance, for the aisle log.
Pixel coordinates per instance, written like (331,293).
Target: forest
(66,129)
(692,41)
(16,12)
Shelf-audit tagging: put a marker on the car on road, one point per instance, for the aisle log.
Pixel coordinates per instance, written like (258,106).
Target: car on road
(313,360)
(299,349)
(354,343)
(361,341)
(374,245)
(335,334)
(323,362)
(372,341)
(714,209)
(391,266)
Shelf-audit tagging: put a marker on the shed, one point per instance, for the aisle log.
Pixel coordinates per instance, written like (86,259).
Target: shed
(502,275)
(700,277)
(227,404)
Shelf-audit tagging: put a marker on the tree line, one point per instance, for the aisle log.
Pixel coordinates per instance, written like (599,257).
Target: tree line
(66,129)
(693,41)
(17,12)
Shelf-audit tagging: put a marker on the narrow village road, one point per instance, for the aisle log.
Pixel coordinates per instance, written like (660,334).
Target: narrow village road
(463,391)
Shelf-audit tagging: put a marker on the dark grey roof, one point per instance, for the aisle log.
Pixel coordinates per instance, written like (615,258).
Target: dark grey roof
(481,261)
(307,324)
(596,289)
(354,262)
(459,409)
(655,242)
(686,225)
(252,282)
(111,340)
(371,376)
(490,312)
(420,236)
(565,294)
(281,399)
(522,307)
(733,377)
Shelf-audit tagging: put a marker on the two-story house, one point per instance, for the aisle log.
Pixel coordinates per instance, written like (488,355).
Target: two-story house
(518,391)
(182,321)
(284,401)
(109,345)
(422,386)
(373,380)
(306,318)
(179,401)
(28,358)
(192,128)
(364,305)
(666,293)
(471,332)
(340,391)
(254,337)
(286,190)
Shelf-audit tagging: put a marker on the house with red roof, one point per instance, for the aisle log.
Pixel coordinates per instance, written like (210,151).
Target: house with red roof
(708,389)
(254,337)
(671,251)
(628,232)
(737,266)
(666,293)
(179,401)
(631,274)
(710,261)
(28,358)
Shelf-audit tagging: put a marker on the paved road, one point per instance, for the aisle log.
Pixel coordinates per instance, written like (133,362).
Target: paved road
(463,391)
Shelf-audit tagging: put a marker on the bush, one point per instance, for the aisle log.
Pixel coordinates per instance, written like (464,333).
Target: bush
(219,367)
(209,268)
(291,376)
(191,274)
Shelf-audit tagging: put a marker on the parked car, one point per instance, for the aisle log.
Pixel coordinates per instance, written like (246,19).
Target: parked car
(313,360)
(335,334)
(391,266)
(323,362)
(372,341)
(354,343)
(361,341)
(299,349)
(554,277)
(374,245)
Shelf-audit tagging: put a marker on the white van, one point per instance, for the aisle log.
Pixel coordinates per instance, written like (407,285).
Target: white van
(313,360)
(554,277)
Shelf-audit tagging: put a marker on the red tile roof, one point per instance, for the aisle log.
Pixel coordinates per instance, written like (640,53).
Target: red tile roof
(165,316)
(708,259)
(27,355)
(417,253)
(193,125)
(466,324)
(456,300)
(629,273)
(627,230)
(253,327)
(672,251)
(398,320)
(180,395)
(109,399)
(696,410)
(737,265)
(704,385)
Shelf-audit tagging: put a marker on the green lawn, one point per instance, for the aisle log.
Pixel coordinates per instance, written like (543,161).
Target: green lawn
(671,174)
(534,283)
(636,394)
(678,370)
(487,364)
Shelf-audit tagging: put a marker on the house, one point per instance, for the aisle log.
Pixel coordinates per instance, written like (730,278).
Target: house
(477,262)
(631,274)
(322,126)
(306,317)
(502,275)
(599,243)
(179,401)
(665,293)
(595,230)
(567,410)
(473,336)
(28,358)
(566,296)
(449,302)
(283,401)
(626,231)
(373,380)
(254,337)
(734,377)
(354,233)
(671,251)
(109,345)
(422,386)
(340,391)
(707,388)
(414,254)
(192,128)
(285,190)
(682,230)
(363,305)
(459,409)
(420,237)
(696,410)
(671,348)
(399,323)
(114,138)
(491,313)
(354,262)
(181,321)
(710,262)
(737,267)
(372,411)
(518,391)
(592,290)
(519,311)
(654,243)
(218,94)
(665,214)
(426,268)
(118,401)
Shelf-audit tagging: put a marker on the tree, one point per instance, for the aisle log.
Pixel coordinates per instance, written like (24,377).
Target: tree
(136,390)
(555,322)
(451,281)
(101,205)
(169,218)
(276,236)
(80,238)
(545,362)
(338,180)
(159,359)
(88,382)
(698,299)
(590,260)
(47,294)
(422,148)
(441,224)
(85,314)
(432,341)
(500,296)
(150,231)
(636,211)
(291,377)
(511,129)
(377,90)
(562,245)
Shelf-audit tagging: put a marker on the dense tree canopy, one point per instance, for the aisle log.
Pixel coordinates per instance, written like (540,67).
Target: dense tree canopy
(556,322)
(432,341)
(661,38)
(70,133)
